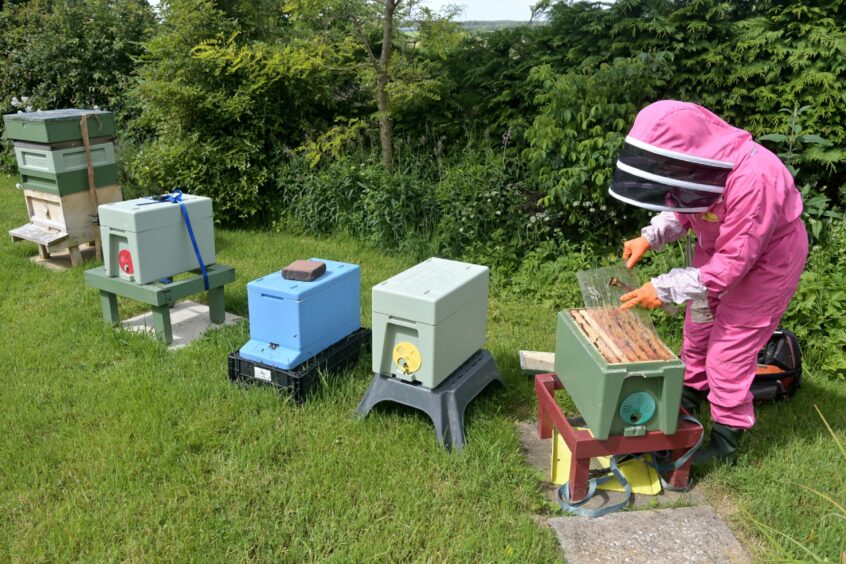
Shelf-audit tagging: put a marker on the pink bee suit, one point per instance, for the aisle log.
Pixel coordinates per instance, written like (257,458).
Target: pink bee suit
(741,202)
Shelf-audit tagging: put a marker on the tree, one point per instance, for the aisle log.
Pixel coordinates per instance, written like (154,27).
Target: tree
(382,77)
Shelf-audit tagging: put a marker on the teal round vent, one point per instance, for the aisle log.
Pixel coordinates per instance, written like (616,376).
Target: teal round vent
(637,408)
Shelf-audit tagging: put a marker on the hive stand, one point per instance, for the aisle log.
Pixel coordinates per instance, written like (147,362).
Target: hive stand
(445,405)
(584,446)
(161,296)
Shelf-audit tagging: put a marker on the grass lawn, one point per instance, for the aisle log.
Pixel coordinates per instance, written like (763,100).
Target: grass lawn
(111,447)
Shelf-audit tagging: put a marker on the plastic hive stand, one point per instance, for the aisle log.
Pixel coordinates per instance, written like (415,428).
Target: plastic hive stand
(445,405)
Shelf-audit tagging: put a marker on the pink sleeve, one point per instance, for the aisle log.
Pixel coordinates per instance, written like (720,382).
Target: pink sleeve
(749,221)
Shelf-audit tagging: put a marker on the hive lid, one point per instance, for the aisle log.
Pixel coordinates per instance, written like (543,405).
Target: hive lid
(432,290)
(145,214)
(55,126)
(275,285)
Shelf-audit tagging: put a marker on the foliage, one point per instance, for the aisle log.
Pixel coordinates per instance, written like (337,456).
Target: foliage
(69,53)
(388,210)
(486,211)
(817,313)
(221,102)
(800,147)
(579,130)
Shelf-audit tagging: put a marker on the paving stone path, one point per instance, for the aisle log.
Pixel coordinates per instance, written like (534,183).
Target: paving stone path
(676,527)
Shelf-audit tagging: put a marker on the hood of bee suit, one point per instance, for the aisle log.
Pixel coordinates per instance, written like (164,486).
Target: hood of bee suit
(677,157)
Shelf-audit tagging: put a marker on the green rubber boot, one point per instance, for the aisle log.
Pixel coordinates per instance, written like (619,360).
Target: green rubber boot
(721,448)
(692,400)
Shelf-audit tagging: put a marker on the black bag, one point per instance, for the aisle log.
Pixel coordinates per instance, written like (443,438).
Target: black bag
(779,372)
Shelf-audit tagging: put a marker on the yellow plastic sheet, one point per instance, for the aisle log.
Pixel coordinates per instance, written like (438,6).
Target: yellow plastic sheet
(642,477)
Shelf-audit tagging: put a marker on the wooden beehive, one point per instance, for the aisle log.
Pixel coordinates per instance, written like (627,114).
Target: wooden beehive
(62,222)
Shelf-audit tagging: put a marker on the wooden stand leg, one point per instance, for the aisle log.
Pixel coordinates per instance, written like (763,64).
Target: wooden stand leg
(43,252)
(217,305)
(75,256)
(161,323)
(579,476)
(544,425)
(680,477)
(110,307)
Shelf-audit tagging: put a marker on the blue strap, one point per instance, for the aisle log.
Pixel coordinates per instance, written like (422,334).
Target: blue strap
(176,198)
(682,460)
(576,507)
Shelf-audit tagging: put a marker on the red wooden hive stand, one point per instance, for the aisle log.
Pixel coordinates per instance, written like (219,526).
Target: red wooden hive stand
(584,446)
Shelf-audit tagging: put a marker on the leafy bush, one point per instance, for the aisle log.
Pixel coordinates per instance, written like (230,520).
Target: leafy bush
(575,138)
(486,211)
(221,99)
(71,53)
(817,313)
(388,210)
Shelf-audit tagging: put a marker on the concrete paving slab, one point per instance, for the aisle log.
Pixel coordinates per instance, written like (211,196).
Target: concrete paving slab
(188,319)
(60,261)
(538,452)
(689,534)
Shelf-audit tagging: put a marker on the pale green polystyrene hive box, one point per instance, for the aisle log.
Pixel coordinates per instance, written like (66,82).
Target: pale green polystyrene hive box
(145,240)
(627,398)
(429,319)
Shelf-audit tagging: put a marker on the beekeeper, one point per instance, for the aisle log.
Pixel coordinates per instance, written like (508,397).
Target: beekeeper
(702,174)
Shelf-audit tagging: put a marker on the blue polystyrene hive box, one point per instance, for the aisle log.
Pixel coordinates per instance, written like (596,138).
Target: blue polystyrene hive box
(291,321)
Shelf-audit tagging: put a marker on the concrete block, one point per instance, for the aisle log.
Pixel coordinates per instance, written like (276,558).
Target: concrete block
(189,320)
(304,270)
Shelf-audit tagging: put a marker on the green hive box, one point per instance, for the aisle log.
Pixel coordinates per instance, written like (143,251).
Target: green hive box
(617,399)
(428,320)
(64,170)
(145,240)
(57,126)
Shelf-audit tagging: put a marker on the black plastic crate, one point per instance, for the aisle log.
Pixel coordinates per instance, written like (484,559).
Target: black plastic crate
(298,381)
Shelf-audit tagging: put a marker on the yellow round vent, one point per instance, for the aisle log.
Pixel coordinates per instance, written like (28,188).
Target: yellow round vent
(407,357)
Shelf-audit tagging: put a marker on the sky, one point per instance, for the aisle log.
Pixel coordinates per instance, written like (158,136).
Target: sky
(488,9)
(484,10)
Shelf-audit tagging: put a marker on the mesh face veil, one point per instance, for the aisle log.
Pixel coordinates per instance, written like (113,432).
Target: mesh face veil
(662,180)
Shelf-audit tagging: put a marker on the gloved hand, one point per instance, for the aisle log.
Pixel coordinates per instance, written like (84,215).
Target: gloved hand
(645,296)
(633,250)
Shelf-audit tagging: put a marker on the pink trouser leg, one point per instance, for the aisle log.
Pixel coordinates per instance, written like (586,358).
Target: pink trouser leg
(730,366)
(694,352)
